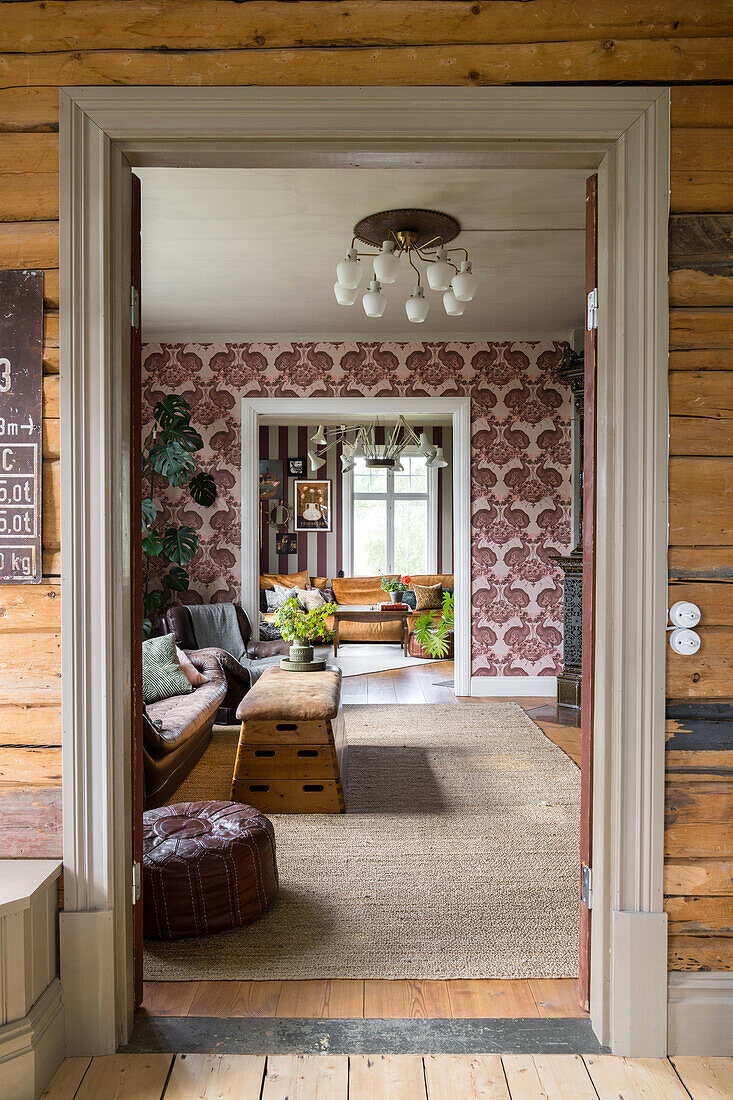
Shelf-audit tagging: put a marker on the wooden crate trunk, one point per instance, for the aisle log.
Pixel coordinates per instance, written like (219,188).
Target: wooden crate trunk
(291,767)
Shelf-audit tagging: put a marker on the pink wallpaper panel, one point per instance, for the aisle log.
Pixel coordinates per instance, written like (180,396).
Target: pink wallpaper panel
(520,477)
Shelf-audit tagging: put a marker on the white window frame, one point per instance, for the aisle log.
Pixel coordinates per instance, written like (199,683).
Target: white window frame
(349,497)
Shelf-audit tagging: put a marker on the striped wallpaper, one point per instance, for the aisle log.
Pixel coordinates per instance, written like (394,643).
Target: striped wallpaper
(320,552)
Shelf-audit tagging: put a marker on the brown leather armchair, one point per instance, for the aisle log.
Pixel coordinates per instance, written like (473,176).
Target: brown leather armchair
(238,679)
(177,730)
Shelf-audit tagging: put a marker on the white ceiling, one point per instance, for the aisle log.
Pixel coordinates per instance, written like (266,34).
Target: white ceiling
(250,254)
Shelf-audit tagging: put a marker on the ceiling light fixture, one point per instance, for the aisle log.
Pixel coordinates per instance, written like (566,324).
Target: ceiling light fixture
(360,441)
(410,233)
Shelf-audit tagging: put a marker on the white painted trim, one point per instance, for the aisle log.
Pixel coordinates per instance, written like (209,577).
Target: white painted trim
(309,409)
(485,687)
(32,1048)
(381,126)
(700,1014)
(631,590)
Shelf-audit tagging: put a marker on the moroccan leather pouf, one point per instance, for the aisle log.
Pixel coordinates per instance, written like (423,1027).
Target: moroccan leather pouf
(207,867)
(416,650)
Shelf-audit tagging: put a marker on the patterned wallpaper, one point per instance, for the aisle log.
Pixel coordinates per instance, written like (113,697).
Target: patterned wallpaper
(521,460)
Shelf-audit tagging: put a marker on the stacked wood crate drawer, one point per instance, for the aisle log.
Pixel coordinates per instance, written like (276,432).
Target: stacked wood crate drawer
(291,766)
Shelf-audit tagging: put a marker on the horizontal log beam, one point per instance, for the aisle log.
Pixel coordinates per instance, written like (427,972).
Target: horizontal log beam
(689,289)
(700,501)
(224,24)
(29,244)
(704,840)
(708,674)
(593,62)
(697,106)
(701,359)
(699,914)
(696,191)
(30,609)
(700,952)
(693,563)
(714,600)
(698,876)
(30,823)
(26,725)
(30,766)
(701,328)
(701,150)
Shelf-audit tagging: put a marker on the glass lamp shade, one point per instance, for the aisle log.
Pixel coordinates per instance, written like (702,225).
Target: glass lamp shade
(345,295)
(439,273)
(437,462)
(386,264)
(465,283)
(416,306)
(374,301)
(453,307)
(350,271)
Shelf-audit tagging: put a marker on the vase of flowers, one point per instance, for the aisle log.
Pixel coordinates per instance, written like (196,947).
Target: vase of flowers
(303,628)
(396,587)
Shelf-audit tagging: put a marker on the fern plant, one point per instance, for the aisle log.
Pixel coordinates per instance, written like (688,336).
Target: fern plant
(433,632)
(167,458)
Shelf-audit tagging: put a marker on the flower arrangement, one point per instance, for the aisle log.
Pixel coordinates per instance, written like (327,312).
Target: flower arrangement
(297,625)
(433,630)
(402,584)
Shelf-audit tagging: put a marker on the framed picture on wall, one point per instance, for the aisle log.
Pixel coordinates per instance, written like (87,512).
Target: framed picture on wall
(271,478)
(312,501)
(296,467)
(286,543)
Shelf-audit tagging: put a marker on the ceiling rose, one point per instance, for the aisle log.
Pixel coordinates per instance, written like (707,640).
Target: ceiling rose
(409,234)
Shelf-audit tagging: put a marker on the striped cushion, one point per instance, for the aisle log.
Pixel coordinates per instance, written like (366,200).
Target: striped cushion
(163,676)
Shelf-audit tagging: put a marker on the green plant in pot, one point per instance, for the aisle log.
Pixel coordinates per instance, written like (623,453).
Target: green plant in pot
(395,586)
(434,631)
(303,628)
(167,459)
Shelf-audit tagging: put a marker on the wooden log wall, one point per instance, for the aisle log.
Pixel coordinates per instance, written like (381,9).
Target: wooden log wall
(686,43)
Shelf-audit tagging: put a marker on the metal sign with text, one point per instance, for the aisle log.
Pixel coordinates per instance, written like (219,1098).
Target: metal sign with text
(21,425)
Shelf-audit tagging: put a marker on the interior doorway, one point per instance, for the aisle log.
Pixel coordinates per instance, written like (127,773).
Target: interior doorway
(609,682)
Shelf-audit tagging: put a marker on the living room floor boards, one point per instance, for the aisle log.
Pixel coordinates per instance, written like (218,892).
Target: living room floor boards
(475,998)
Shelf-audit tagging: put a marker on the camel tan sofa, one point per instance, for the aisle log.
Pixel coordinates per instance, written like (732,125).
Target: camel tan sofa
(357,591)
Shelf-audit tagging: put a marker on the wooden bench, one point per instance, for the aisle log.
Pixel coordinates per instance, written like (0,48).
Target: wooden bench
(292,745)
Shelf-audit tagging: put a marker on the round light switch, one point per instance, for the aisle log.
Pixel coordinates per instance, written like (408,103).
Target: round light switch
(684,642)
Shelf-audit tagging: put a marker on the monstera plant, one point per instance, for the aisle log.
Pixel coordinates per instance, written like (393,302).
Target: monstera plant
(168,452)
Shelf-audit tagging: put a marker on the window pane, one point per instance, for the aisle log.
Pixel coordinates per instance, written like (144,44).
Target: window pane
(414,477)
(370,537)
(369,481)
(410,536)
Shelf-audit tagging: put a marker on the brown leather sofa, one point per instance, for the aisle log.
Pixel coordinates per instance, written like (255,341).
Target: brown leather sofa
(177,730)
(238,679)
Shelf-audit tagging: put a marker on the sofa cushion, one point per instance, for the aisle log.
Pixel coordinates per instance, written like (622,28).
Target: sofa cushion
(428,597)
(162,672)
(177,719)
(195,677)
(358,591)
(289,580)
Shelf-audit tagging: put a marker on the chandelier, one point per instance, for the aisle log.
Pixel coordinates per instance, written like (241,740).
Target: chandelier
(360,441)
(407,233)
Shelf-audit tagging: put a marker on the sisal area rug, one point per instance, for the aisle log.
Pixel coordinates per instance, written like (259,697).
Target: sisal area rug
(457,858)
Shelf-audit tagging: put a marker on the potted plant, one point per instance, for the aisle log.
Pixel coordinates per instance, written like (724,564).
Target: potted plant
(434,632)
(303,628)
(168,460)
(396,587)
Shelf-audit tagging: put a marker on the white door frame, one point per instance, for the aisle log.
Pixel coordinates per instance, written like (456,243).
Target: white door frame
(352,408)
(624,133)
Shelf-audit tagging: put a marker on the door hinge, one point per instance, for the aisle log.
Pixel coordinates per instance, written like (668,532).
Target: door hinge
(135,308)
(136,883)
(586,886)
(592,318)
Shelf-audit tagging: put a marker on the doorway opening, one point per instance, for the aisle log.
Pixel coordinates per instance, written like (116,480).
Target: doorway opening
(632,156)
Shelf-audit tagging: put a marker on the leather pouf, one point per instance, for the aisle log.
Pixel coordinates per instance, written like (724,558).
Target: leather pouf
(207,867)
(416,650)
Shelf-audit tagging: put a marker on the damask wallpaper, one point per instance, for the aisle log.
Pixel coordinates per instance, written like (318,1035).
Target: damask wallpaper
(521,461)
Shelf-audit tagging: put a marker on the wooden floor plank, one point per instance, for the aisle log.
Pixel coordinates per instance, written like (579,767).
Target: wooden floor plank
(216,1077)
(168,998)
(66,1080)
(386,1077)
(257,999)
(652,1078)
(215,998)
(549,1077)
(354,689)
(322,998)
(706,1078)
(380,689)
(465,1076)
(556,997)
(406,999)
(496,998)
(306,1077)
(125,1077)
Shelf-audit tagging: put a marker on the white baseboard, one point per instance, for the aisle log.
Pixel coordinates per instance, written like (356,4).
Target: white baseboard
(86,943)
(700,1013)
(639,1002)
(501,686)
(32,1048)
